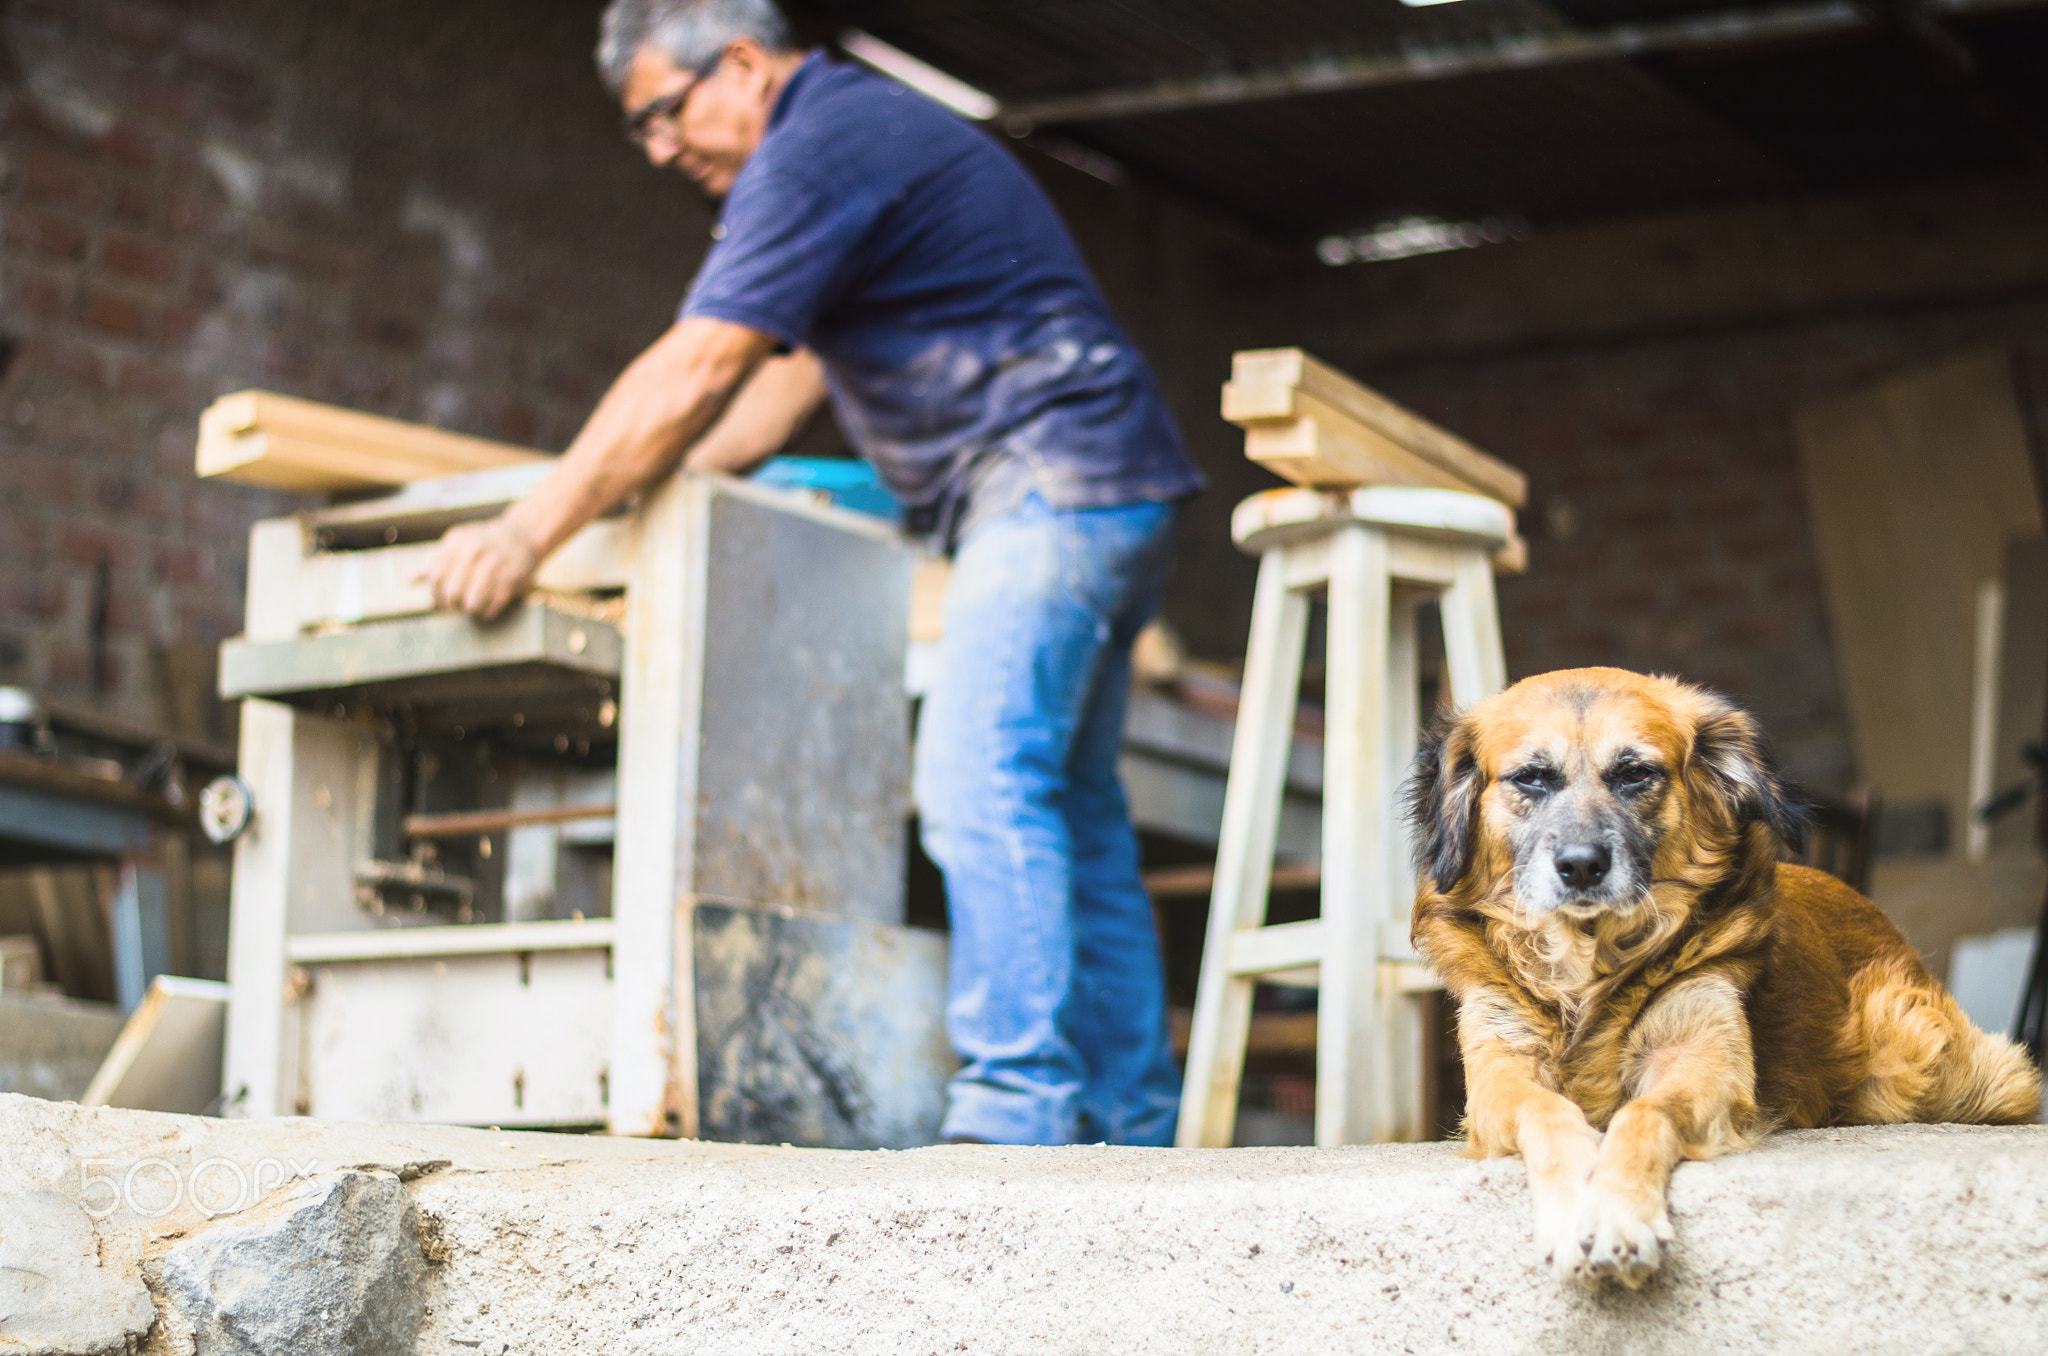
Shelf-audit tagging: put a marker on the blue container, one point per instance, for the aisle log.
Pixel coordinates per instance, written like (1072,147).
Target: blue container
(846,481)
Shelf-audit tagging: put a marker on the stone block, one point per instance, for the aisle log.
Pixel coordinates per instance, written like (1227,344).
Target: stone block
(332,1267)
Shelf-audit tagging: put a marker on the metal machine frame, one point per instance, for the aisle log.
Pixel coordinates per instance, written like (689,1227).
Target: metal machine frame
(746,648)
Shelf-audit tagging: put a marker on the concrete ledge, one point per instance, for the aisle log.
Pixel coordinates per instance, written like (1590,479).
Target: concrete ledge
(1902,1239)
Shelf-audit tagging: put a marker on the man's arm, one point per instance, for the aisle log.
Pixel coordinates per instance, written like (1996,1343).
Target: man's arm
(658,405)
(763,417)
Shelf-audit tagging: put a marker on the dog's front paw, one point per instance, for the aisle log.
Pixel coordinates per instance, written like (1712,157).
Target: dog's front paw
(1619,1247)
(1558,1236)
(1616,1236)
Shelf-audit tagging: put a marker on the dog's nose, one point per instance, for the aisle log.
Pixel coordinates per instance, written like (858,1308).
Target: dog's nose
(1583,865)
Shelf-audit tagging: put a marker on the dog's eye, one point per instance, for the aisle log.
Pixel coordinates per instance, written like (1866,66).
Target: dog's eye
(1634,776)
(1533,781)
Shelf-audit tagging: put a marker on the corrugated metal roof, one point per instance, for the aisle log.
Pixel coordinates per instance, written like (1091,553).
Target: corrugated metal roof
(1853,103)
(1042,48)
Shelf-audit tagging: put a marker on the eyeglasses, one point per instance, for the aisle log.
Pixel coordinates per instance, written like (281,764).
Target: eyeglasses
(640,123)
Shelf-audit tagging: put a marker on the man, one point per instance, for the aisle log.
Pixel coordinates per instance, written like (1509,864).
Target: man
(875,248)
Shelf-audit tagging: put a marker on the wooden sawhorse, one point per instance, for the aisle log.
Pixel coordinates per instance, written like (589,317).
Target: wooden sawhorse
(1377,553)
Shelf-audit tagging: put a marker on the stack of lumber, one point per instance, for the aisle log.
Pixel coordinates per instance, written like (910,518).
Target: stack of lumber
(1311,424)
(283,443)
(1308,422)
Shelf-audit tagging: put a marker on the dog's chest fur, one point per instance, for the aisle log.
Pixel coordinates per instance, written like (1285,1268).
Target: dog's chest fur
(1570,993)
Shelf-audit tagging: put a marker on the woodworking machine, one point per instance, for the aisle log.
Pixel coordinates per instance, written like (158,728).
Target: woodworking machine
(631,855)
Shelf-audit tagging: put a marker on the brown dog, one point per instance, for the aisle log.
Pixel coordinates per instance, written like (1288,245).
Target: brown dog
(1602,893)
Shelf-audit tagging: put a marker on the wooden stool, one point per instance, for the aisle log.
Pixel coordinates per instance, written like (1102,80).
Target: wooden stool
(1378,552)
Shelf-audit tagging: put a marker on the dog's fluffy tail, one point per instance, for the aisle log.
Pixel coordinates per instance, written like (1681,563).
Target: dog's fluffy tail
(1929,1062)
(1998,1085)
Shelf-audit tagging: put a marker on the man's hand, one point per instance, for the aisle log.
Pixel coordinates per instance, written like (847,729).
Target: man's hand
(659,405)
(481,568)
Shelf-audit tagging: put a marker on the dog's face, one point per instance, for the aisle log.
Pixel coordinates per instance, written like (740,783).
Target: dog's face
(1575,792)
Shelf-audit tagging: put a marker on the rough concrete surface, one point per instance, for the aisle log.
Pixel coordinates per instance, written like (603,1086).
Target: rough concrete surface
(55,1296)
(1912,1239)
(331,1261)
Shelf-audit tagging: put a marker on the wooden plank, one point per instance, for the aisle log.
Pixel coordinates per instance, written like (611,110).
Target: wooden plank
(1282,946)
(282,461)
(357,586)
(653,1088)
(531,635)
(1272,1033)
(45,778)
(1915,485)
(429,507)
(1185,799)
(75,929)
(261,438)
(66,717)
(1259,752)
(489,939)
(277,548)
(244,412)
(497,821)
(1320,445)
(292,873)
(1403,715)
(1265,383)
(1474,661)
(1196,882)
(168,1056)
(1354,1083)
(1513,558)
(54,807)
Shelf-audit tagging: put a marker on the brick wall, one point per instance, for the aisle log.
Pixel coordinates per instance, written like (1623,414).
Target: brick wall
(422,210)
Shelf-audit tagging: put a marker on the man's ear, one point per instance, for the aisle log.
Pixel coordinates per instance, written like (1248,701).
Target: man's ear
(1442,799)
(751,61)
(1731,765)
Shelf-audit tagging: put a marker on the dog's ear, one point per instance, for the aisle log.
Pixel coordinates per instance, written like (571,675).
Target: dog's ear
(1442,800)
(1731,763)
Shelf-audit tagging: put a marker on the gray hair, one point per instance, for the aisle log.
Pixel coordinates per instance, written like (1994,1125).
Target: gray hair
(688,32)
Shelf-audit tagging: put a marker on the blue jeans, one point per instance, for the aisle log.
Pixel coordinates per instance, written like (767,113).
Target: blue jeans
(1058,1003)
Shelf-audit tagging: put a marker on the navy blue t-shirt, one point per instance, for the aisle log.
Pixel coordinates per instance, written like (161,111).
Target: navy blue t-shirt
(969,354)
